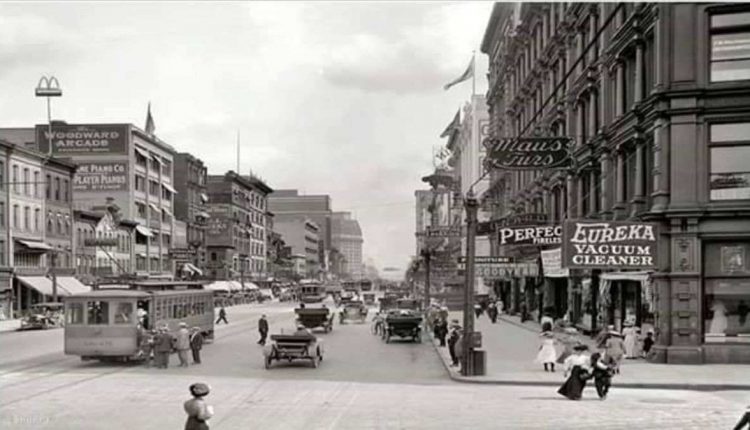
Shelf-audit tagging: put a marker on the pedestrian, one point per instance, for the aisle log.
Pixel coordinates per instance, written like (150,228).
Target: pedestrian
(197,410)
(162,348)
(478,310)
(453,337)
(547,354)
(744,420)
(441,330)
(262,329)
(147,347)
(602,372)
(615,348)
(630,334)
(648,342)
(576,372)
(492,312)
(222,315)
(547,321)
(182,344)
(601,338)
(196,344)
(524,312)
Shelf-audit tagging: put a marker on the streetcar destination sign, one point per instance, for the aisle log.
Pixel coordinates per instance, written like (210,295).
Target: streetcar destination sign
(528,153)
(613,244)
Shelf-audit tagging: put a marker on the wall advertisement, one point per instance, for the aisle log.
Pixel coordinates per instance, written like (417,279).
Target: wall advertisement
(88,139)
(101,176)
(615,245)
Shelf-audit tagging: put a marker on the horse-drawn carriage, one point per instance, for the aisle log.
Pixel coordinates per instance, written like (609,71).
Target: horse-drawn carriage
(292,347)
(404,324)
(313,318)
(354,311)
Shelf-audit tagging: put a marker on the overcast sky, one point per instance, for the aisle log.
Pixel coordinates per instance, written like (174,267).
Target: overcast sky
(339,98)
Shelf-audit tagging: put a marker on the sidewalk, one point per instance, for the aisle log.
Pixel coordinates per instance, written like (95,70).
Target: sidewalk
(10,325)
(511,347)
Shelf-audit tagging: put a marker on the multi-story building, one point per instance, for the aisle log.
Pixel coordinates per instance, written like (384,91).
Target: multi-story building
(35,218)
(655,99)
(125,163)
(302,236)
(317,207)
(105,242)
(346,237)
(190,177)
(236,230)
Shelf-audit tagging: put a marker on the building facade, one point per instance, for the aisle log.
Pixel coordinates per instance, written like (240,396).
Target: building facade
(236,230)
(658,120)
(105,242)
(190,204)
(302,236)
(346,237)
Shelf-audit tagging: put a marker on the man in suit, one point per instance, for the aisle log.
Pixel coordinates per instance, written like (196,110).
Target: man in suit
(262,329)
(196,344)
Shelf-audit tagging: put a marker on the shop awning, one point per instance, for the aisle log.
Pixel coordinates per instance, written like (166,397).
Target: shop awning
(143,152)
(157,159)
(204,197)
(190,268)
(251,286)
(203,215)
(625,276)
(224,286)
(35,244)
(169,188)
(73,285)
(644,278)
(167,211)
(144,231)
(42,284)
(154,207)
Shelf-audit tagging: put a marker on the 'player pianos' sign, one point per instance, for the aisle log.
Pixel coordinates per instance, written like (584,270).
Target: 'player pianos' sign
(615,245)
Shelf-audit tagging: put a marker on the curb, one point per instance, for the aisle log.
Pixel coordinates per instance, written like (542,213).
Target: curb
(631,385)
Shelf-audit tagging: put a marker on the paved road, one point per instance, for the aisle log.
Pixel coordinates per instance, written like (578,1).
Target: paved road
(362,383)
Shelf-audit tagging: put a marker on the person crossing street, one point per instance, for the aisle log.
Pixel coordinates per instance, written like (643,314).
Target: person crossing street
(196,344)
(222,315)
(262,329)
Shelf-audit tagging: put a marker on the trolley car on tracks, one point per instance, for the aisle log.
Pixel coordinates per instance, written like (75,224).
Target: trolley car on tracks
(107,323)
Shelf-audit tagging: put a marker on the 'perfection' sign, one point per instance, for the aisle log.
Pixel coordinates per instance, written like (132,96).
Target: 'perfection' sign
(610,245)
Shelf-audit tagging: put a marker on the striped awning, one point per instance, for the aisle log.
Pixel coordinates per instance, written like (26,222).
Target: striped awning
(73,285)
(169,188)
(144,231)
(42,284)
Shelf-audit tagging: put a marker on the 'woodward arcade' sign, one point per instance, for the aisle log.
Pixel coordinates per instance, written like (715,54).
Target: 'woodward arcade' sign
(609,245)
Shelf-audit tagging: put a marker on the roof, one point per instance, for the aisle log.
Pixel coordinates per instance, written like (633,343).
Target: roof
(499,10)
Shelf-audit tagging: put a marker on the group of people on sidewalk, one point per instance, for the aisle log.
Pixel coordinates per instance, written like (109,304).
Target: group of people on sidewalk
(157,345)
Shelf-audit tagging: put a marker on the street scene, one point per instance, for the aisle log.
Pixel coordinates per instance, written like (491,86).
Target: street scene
(374,215)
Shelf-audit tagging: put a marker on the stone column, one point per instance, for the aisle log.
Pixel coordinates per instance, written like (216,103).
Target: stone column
(592,112)
(639,196)
(619,208)
(593,185)
(619,89)
(579,212)
(660,191)
(639,73)
(606,185)
(580,129)
(604,96)
(570,184)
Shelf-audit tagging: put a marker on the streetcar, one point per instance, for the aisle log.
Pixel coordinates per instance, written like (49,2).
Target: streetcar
(312,292)
(108,323)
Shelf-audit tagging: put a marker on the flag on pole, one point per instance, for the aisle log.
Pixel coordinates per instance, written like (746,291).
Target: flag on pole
(469,73)
(150,126)
(453,125)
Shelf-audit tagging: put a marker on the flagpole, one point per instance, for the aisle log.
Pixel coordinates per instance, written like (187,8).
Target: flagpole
(473,72)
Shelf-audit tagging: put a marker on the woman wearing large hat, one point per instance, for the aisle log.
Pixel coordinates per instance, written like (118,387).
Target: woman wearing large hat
(576,369)
(198,411)
(615,348)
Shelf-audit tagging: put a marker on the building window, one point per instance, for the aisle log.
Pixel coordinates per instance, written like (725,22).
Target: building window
(47,187)
(36,185)
(2,175)
(140,160)
(166,168)
(15,179)
(153,188)
(57,189)
(2,214)
(26,188)
(729,155)
(66,190)
(140,183)
(726,305)
(141,209)
(15,216)
(2,253)
(730,46)
(26,218)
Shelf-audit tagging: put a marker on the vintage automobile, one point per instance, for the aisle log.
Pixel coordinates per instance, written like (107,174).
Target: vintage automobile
(369,298)
(43,316)
(403,323)
(355,311)
(313,318)
(292,347)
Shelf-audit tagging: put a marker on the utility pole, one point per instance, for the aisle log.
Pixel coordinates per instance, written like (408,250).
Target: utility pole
(471,205)
(427,256)
(52,265)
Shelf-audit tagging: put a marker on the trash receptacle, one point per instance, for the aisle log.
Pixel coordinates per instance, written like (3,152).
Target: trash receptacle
(479,358)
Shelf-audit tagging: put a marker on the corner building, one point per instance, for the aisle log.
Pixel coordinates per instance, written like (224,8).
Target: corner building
(655,98)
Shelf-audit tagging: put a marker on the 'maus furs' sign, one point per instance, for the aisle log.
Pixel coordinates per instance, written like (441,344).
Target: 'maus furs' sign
(610,245)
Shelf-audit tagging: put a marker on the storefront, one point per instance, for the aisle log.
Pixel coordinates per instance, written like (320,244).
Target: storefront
(627,298)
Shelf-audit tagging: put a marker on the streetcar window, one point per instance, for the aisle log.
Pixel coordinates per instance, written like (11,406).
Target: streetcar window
(74,313)
(97,312)
(124,313)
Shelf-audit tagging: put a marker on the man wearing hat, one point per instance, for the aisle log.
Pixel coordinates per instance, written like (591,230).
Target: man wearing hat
(453,337)
(182,344)
(196,344)
(197,410)
(162,347)
(262,329)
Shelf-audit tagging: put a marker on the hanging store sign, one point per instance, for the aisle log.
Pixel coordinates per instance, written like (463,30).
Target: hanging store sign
(530,235)
(101,176)
(487,259)
(443,231)
(610,245)
(89,139)
(100,242)
(528,153)
(552,264)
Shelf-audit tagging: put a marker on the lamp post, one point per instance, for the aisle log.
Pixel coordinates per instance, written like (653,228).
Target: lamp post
(49,87)
(471,205)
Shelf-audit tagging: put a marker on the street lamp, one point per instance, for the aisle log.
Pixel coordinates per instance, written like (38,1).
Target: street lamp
(471,205)
(48,87)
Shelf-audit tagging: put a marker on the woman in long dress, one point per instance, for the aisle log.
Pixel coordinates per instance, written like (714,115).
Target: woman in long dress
(615,348)
(719,321)
(547,354)
(576,370)
(631,338)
